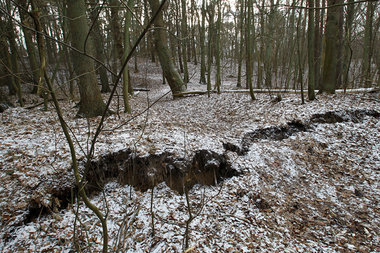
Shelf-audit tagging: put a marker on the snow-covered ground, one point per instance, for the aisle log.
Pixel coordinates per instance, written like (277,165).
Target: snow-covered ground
(316,191)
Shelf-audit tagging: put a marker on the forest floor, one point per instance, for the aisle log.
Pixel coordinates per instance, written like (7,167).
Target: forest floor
(312,185)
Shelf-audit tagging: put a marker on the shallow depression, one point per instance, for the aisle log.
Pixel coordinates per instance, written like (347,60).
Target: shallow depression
(205,167)
(278,133)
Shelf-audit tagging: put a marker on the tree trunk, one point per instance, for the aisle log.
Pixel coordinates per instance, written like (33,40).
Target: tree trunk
(260,62)
(339,63)
(91,103)
(25,19)
(241,42)
(51,48)
(67,57)
(135,36)
(291,47)
(97,35)
(317,43)
(116,31)
(211,12)
(300,53)
(193,36)
(42,53)
(4,102)
(330,60)
(367,47)
(310,42)
(248,37)
(202,44)
(321,42)
(184,42)
(268,65)
(14,61)
(170,72)
(347,54)
(218,78)
(149,36)
(7,77)
(127,49)
(377,50)
(179,43)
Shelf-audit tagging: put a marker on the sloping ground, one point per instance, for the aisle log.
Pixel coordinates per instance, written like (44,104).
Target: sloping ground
(316,190)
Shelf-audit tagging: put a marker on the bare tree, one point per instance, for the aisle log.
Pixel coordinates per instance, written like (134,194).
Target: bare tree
(329,81)
(368,45)
(311,46)
(170,72)
(91,103)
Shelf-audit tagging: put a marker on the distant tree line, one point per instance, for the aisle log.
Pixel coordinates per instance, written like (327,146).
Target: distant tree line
(266,44)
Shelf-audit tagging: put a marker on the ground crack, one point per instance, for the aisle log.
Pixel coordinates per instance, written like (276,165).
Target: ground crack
(278,133)
(205,167)
(143,172)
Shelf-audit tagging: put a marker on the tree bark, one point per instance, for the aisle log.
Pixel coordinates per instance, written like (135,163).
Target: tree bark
(26,21)
(127,49)
(268,48)
(15,87)
(261,60)
(179,43)
(66,35)
(218,78)
(291,47)
(329,81)
(347,54)
(91,103)
(4,102)
(241,42)
(211,14)
(367,47)
(97,35)
(6,78)
(193,35)
(202,37)
(339,63)
(171,74)
(300,53)
(248,41)
(317,45)
(116,31)
(311,44)
(184,42)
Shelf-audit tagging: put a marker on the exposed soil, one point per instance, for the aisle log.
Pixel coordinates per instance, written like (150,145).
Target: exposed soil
(278,133)
(355,116)
(205,168)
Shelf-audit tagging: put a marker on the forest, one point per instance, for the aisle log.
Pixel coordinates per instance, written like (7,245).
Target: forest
(189,126)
